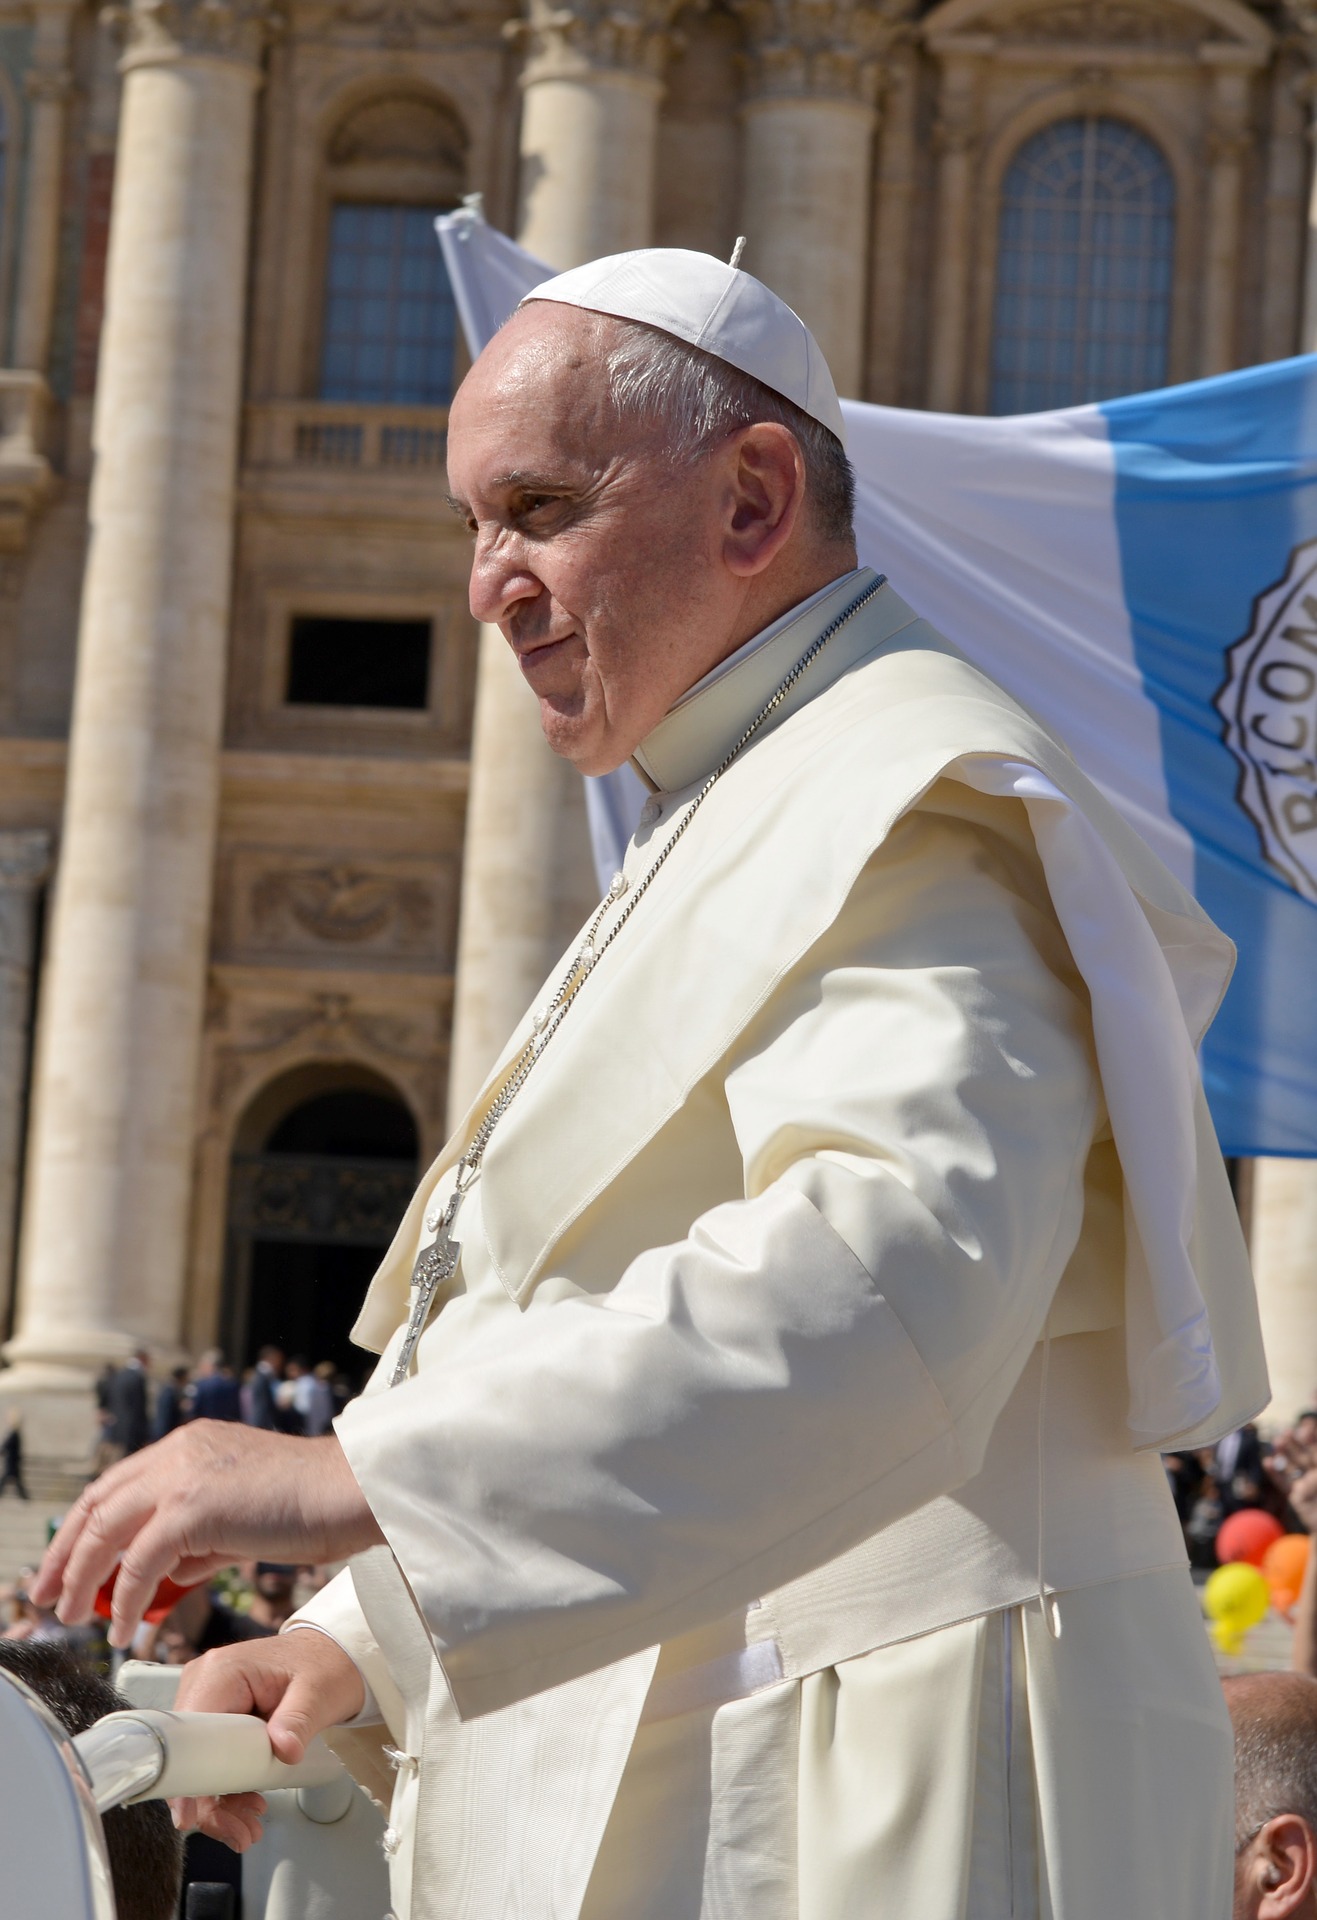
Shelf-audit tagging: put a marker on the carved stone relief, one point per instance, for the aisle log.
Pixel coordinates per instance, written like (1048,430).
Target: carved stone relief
(342,910)
(1109,23)
(247,1031)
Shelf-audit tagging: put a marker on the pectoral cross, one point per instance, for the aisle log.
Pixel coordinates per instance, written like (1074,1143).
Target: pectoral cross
(434,1264)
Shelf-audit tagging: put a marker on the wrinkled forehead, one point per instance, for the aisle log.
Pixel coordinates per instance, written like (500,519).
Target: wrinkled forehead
(539,395)
(547,353)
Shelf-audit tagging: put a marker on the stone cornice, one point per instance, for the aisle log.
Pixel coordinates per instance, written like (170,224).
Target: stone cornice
(590,36)
(154,31)
(815,49)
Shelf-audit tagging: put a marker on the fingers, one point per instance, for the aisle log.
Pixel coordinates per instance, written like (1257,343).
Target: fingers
(234,1818)
(297,1719)
(153,1553)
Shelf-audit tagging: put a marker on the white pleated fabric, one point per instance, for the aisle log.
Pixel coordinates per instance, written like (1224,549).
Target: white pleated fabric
(986,1772)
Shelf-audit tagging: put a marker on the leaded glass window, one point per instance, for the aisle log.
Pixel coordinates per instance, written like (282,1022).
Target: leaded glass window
(389,324)
(1085,259)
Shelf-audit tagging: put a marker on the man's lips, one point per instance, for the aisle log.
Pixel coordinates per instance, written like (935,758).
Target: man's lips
(533,656)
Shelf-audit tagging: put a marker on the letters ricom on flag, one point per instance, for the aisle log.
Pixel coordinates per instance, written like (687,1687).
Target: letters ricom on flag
(1142,574)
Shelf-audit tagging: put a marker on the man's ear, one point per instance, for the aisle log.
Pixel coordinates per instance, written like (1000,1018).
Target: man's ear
(765,496)
(1281,1866)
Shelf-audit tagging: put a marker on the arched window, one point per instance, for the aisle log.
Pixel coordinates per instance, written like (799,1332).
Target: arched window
(323,1167)
(1085,257)
(389,327)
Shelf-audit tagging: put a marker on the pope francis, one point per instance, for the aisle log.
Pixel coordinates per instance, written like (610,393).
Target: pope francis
(756,1510)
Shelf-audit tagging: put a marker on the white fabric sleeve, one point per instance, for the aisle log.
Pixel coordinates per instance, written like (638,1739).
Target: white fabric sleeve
(913,1111)
(336,1612)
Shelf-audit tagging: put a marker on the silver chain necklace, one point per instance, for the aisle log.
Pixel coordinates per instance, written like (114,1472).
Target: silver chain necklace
(437,1263)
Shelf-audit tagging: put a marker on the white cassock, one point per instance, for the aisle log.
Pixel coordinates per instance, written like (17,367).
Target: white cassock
(825,1294)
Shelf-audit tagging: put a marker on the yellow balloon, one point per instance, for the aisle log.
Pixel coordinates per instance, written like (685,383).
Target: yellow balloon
(1235,1599)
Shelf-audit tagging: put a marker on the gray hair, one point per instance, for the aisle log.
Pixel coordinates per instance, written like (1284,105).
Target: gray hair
(701,400)
(1275,1722)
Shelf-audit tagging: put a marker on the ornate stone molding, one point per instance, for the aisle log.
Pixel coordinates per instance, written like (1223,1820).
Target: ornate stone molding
(590,36)
(159,30)
(343,904)
(815,49)
(1109,23)
(24,859)
(248,1034)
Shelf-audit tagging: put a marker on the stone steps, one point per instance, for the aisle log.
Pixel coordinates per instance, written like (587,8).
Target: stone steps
(25,1524)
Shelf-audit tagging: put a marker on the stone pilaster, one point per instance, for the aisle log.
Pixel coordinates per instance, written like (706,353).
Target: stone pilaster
(897,180)
(1283,1243)
(24,865)
(809,115)
(592,83)
(1229,140)
(1287,193)
(956,137)
(102,1258)
(48,85)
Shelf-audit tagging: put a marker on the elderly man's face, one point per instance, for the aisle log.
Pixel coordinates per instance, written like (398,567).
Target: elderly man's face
(602,560)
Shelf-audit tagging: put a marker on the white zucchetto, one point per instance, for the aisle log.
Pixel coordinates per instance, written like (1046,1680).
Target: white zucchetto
(718,308)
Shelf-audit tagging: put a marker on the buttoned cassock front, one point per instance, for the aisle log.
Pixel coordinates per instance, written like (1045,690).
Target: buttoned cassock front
(824,1291)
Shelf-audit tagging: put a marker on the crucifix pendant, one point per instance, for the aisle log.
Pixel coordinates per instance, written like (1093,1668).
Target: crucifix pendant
(435,1264)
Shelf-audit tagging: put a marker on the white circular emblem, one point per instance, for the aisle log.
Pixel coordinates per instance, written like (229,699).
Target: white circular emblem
(1269,705)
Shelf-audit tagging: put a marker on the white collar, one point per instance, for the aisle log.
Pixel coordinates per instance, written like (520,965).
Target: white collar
(695,734)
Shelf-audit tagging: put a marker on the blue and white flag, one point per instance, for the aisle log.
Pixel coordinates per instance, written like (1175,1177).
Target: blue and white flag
(1142,575)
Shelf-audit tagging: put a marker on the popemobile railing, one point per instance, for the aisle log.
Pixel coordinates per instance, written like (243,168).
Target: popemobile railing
(321,1856)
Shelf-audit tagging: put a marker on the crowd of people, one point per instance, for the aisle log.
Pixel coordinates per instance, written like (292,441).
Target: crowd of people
(1241,1471)
(279,1394)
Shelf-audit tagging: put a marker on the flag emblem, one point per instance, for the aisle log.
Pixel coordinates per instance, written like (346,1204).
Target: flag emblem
(1269,705)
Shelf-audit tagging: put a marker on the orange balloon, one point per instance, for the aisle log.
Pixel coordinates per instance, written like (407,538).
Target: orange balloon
(1283,1566)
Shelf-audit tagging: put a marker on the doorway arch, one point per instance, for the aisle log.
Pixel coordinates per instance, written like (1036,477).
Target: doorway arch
(324,1163)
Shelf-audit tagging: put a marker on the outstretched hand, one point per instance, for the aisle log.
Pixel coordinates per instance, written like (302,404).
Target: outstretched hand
(208,1494)
(299,1682)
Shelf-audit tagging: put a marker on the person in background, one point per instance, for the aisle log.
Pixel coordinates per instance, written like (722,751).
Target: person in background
(130,1425)
(319,1412)
(272,1593)
(171,1404)
(197,1623)
(11,1454)
(287,1410)
(215,1394)
(1292,1469)
(146,1854)
(264,1406)
(1238,1472)
(1274,1716)
(312,1397)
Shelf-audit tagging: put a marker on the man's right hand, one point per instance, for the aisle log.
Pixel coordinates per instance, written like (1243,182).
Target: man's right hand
(300,1682)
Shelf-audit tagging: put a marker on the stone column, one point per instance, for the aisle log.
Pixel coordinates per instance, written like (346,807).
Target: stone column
(1283,1243)
(1307,342)
(24,865)
(956,139)
(102,1260)
(527,882)
(1282,253)
(898,160)
(1228,144)
(591,87)
(48,83)
(809,122)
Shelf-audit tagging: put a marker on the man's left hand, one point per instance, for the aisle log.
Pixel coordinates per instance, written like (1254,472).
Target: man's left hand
(208,1494)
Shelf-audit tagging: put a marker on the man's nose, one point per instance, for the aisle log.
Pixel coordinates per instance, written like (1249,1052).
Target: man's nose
(499,582)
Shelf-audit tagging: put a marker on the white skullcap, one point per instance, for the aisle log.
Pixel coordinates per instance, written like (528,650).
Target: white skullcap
(718,308)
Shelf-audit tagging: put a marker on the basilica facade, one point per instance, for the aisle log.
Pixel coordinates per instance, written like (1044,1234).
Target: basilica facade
(281,855)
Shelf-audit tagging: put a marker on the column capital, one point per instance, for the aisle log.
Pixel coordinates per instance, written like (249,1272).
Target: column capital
(589,36)
(155,32)
(813,49)
(24,859)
